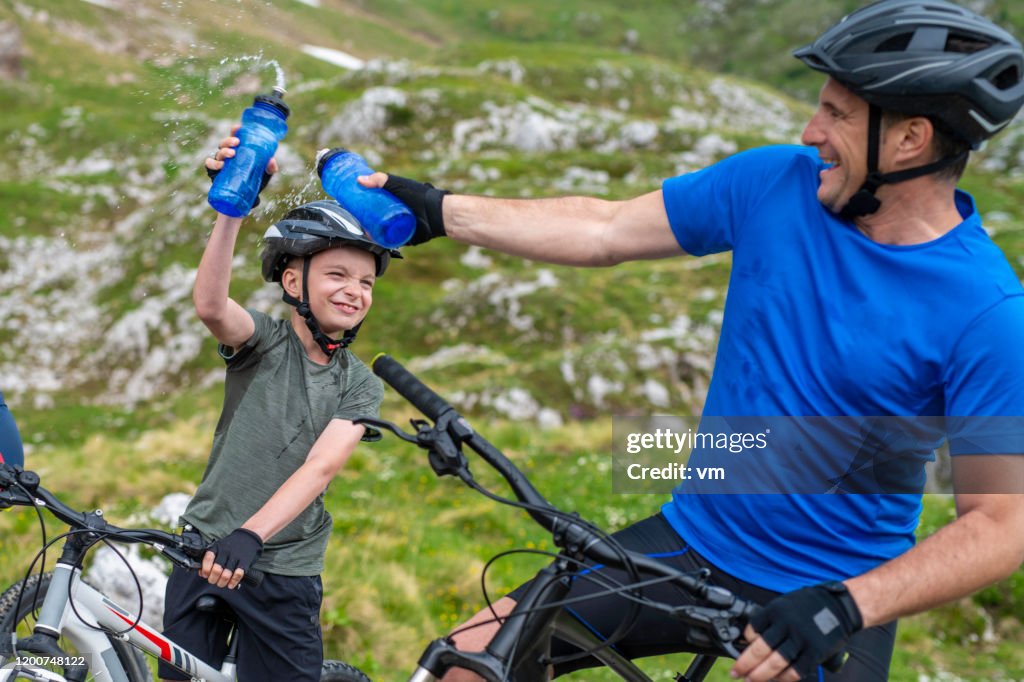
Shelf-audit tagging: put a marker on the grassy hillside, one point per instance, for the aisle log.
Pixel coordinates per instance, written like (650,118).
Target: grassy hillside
(116,385)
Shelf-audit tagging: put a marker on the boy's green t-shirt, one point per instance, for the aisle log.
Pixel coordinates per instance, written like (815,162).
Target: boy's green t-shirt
(277,402)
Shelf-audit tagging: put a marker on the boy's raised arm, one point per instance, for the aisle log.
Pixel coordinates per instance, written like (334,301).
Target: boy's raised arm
(227,320)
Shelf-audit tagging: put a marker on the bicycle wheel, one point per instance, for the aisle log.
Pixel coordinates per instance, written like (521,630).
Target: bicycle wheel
(132,660)
(336,671)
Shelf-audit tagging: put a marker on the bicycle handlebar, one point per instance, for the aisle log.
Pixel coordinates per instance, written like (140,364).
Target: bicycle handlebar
(22,488)
(578,536)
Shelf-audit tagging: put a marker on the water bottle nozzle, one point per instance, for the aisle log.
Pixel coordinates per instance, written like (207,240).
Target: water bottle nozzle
(325,155)
(275,99)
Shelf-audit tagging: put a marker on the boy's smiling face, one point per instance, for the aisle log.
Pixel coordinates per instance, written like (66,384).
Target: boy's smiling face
(341,283)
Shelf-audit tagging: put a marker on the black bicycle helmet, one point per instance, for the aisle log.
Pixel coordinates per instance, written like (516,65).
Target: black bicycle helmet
(305,231)
(927,58)
(922,58)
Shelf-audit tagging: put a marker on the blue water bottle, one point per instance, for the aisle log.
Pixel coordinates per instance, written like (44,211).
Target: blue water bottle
(389,221)
(238,184)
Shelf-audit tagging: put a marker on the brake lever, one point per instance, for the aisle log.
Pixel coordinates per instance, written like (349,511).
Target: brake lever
(723,626)
(728,626)
(17,486)
(726,633)
(8,475)
(180,558)
(442,441)
(189,552)
(392,427)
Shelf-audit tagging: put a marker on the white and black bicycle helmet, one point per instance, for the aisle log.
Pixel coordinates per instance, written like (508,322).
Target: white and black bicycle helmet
(305,231)
(314,227)
(925,58)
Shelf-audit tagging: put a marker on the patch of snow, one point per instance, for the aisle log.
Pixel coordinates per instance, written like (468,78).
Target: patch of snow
(336,57)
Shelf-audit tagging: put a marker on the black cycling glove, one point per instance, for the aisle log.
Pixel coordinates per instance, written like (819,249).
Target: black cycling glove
(809,625)
(424,200)
(264,181)
(238,549)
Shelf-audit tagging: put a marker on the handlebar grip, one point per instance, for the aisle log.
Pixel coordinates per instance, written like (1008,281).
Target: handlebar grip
(188,553)
(833,663)
(253,577)
(409,387)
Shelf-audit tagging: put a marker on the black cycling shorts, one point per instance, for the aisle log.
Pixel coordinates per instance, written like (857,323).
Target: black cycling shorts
(279,635)
(655,633)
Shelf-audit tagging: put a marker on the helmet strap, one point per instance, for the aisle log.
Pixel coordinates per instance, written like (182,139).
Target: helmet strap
(864,202)
(328,345)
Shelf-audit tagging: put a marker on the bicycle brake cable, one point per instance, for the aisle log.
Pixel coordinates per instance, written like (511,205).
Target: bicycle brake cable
(42,566)
(104,537)
(627,623)
(40,557)
(612,585)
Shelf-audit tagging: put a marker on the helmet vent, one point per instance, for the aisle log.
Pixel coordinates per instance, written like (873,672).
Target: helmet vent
(1007,78)
(814,61)
(896,43)
(965,44)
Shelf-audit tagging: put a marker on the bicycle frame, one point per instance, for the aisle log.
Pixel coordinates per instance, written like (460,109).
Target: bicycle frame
(94,618)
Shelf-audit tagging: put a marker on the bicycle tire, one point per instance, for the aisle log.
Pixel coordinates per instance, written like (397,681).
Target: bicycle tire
(132,660)
(337,671)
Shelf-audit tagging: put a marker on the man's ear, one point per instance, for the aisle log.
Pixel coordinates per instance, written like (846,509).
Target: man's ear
(913,140)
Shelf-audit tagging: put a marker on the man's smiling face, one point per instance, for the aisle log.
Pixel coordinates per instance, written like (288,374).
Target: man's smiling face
(839,130)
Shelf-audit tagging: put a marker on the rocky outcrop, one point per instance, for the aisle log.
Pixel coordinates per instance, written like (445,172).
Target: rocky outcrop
(11,51)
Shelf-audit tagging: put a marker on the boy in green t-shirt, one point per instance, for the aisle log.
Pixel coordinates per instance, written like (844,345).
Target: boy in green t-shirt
(291,396)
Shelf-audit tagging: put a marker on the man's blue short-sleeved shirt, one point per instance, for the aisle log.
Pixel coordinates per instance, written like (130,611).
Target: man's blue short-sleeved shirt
(822,321)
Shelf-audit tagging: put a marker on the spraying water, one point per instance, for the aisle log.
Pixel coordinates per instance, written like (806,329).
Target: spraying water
(261,63)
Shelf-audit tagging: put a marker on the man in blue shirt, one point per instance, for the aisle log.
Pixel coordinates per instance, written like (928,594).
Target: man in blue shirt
(862,285)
